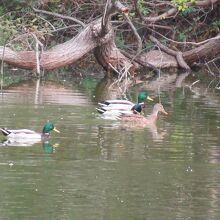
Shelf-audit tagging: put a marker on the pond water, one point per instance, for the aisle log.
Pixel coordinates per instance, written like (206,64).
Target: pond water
(95,169)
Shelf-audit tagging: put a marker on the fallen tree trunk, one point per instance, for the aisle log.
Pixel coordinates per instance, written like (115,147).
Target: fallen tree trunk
(169,58)
(59,56)
(107,53)
(98,35)
(207,50)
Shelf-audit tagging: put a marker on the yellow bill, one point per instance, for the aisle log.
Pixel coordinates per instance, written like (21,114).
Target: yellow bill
(164,112)
(149,98)
(56,130)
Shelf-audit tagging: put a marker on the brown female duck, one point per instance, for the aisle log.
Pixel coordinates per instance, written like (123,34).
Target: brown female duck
(140,120)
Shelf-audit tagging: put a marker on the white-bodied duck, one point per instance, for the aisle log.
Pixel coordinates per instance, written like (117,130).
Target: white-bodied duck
(27,134)
(115,107)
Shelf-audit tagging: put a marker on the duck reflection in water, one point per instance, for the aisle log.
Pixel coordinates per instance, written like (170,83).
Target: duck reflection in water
(49,148)
(18,143)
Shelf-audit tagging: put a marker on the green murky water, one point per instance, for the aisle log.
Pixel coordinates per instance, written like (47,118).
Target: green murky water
(94,169)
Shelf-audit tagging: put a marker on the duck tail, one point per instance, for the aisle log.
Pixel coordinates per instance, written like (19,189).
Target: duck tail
(100,110)
(4,131)
(101,104)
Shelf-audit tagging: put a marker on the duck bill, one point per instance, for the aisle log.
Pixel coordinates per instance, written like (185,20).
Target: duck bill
(56,145)
(56,130)
(149,98)
(164,112)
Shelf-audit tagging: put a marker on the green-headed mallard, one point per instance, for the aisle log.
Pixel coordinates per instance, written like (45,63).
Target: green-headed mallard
(26,134)
(140,120)
(114,107)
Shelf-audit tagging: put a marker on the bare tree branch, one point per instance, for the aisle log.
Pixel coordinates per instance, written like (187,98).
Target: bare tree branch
(59,16)
(173,11)
(177,54)
(187,42)
(139,41)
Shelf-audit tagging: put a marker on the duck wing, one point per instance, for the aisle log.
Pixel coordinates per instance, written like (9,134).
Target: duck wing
(119,107)
(116,101)
(17,131)
(20,133)
(5,131)
(116,105)
(132,117)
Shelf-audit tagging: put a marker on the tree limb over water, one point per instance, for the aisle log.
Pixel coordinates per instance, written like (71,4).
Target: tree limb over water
(99,36)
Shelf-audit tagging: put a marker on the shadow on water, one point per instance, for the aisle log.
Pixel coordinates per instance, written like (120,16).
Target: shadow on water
(37,92)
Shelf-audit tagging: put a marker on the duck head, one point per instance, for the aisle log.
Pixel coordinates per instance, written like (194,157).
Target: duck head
(137,108)
(159,108)
(144,95)
(49,127)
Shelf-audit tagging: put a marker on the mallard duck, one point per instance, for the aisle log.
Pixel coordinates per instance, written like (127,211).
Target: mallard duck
(140,120)
(110,107)
(26,134)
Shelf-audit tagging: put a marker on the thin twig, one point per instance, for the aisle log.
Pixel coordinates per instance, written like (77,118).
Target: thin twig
(104,15)
(138,38)
(47,22)
(2,64)
(186,42)
(194,83)
(59,16)
(37,52)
